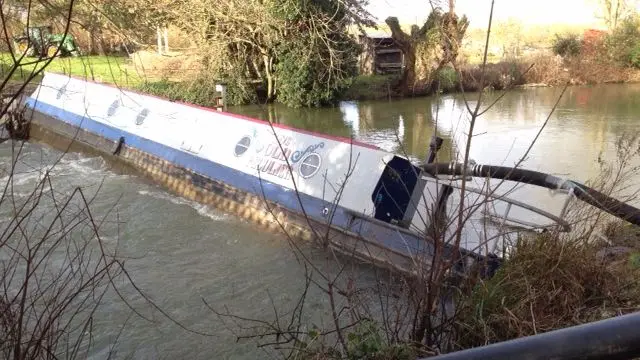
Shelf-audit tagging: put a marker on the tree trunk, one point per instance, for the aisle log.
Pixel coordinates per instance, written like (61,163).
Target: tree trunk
(95,38)
(408,79)
(256,68)
(166,40)
(159,38)
(408,48)
(94,28)
(267,70)
(450,41)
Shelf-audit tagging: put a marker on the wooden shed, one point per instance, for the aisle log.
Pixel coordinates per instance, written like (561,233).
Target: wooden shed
(380,55)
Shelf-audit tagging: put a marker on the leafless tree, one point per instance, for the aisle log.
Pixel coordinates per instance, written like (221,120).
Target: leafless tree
(614,11)
(55,266)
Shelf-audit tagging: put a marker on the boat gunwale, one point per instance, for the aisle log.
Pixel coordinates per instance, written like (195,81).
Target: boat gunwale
(341,139)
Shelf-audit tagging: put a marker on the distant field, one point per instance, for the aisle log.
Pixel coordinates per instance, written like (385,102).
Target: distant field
(109,69)
(510,39)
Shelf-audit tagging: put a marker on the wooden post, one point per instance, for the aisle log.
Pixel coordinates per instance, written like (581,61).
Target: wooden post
(221,103)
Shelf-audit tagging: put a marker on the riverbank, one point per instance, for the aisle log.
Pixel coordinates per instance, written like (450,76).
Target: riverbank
(540,70)
(589,281)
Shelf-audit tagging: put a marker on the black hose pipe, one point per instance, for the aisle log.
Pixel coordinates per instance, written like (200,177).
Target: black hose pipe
(592,197)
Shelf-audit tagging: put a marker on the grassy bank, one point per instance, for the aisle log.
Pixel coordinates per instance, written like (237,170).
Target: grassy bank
(551,283)
(542,69)
(108,69)
(372,87)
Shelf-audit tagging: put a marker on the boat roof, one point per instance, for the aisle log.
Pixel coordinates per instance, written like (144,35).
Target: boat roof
(233,115)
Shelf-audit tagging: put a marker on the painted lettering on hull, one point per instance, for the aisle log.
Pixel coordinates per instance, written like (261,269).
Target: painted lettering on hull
(271,158)
(275,167)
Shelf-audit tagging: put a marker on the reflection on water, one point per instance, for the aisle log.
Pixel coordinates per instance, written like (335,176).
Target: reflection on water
(399,126)
(585,125)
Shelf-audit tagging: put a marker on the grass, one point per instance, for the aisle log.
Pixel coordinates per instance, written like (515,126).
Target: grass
(114,70)
(549,284)
(108,69)
(509,38)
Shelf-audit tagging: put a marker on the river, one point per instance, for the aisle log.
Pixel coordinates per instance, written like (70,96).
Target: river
(587,121)
(182,252)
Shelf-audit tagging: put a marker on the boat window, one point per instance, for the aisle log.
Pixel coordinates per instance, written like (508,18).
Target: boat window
(61,92)
(310,165)
(141,116)
(242,146)
(114,106)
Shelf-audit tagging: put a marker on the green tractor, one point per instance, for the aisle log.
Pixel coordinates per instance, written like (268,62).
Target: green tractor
(38,41)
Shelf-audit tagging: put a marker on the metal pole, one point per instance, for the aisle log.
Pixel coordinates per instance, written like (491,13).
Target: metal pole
(614,338)
(445,190)
(224,98)
(418,190)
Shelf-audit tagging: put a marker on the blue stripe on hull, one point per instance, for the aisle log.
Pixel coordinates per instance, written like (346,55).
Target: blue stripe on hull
(313,206)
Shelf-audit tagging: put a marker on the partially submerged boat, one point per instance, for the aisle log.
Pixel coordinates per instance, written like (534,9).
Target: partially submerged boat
(352,196)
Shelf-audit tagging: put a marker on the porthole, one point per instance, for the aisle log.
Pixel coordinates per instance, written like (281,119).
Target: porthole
(113,107)
(61,92)
(141,116)
(242,146)
(310,165)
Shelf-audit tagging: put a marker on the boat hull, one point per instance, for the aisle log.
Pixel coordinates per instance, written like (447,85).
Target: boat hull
(187,150)
(256,209)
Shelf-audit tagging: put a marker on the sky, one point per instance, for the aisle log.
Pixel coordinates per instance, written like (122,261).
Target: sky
(536,12)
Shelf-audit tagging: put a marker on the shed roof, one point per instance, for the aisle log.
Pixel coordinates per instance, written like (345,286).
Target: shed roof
(381,32)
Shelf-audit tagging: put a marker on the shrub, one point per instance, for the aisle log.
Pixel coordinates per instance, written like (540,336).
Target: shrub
(364,342)
(497,76)
(634,56)
(547,69)
(370,87)
(549,283)
(307,78)
(447,79)
(200,91)
(567,45)
(623,43)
